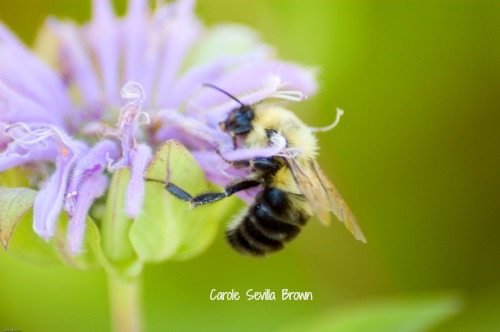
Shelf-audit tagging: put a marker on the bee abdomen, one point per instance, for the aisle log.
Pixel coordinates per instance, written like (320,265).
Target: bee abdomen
(271,225)
(268,225)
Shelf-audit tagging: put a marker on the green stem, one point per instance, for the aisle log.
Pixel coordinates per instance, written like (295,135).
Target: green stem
(125,302)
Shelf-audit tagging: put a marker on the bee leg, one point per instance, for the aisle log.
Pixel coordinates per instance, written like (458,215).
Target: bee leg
(178,192)
(174,190)
(210,197)
(267,164)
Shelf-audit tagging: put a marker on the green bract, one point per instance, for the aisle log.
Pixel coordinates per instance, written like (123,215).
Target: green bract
(167,228)
(14,203)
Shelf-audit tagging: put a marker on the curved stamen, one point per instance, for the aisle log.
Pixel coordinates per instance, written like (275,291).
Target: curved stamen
(25,137)
(291,95)
(132,92)
(339,114)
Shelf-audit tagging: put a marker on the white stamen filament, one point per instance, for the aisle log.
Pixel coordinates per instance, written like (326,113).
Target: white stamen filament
(25,137)
(338,115)
(291,95)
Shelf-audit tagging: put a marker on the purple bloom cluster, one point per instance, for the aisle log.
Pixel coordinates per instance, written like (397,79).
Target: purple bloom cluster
(117,88)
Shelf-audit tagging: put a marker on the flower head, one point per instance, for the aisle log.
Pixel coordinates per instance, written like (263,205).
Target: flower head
(116,88)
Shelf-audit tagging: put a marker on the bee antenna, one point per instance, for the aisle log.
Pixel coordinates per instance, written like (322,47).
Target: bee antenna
(208,85)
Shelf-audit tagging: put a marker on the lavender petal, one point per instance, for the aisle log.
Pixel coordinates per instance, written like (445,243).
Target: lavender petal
(49,200)
(135,39)
(278,143)
(183,32)
(220,172)
(251,84)
(40,74)
(90,189)
(193,79)
(92,163)
(102,35)
(213,107)
(20,78)
(135,189)
(15,159)
(192,128)
(16,108)
(79,66)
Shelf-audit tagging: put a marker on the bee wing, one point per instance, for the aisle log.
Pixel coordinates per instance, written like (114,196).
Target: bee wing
(323,197)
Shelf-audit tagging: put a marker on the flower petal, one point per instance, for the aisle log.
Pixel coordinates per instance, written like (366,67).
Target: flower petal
(252,153)
(191,130)
(13,160)
(103,37)
(42,81)
(89,165)
(77,64)
(193,79)
(25,143)
(50,198)
(15,107)
(21,79)
(217,170)
(213,107)
(184,29)
(251,84)
(135,37)
(135,189)
(90,189)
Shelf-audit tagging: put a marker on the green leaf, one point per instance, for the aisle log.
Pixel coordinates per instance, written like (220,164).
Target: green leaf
(14,203)
(87,259)
(27,245)
(396,315)
(16,228)
(115,227)
(14,177)
(93,242)
(168,228)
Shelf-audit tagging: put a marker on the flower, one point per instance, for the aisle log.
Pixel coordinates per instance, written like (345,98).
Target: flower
(111,91)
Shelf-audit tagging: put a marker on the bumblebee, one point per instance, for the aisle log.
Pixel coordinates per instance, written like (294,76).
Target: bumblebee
(293,187)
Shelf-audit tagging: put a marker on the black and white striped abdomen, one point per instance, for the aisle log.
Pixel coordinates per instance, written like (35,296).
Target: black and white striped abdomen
(272,221)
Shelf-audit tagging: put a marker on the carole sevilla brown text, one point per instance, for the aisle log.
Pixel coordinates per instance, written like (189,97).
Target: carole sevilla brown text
(267,294)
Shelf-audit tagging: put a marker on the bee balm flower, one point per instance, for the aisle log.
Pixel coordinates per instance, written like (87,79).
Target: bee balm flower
(111,91)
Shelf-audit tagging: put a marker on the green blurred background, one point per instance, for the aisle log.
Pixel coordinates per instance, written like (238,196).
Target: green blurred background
(416,156)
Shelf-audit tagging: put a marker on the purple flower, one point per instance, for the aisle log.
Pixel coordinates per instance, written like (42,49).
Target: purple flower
(117,88)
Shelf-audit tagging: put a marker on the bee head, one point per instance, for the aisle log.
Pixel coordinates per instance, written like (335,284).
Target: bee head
(239,121)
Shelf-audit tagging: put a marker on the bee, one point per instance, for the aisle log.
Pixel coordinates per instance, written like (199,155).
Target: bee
(292,188)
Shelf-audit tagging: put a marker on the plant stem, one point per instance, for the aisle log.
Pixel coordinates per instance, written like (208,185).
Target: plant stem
(125,302)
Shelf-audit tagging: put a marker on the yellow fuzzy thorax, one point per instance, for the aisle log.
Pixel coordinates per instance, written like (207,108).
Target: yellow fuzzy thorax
(288,125)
